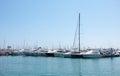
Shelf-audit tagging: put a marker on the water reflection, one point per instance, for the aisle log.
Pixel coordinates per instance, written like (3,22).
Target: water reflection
(49,66)
(76,66)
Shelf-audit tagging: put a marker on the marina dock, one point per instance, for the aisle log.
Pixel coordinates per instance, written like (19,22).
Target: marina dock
(88,53)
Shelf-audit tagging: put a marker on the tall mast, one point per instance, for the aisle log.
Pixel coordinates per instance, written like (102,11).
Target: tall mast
(79,32)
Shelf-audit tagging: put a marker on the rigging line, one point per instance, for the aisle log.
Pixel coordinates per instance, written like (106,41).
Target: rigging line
(75,36)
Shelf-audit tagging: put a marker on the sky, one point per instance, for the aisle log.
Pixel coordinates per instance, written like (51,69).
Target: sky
(52,23)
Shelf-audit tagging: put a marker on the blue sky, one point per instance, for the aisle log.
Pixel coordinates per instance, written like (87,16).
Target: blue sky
(49,23)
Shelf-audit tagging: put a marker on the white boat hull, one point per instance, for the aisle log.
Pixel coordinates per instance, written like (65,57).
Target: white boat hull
(67,55)
(58,54)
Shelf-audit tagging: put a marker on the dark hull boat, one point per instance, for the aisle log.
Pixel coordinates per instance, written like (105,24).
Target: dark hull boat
(49,54)
(76,56)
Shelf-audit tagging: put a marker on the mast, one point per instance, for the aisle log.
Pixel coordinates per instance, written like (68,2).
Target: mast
(4,44)
(24,45)
(79,32)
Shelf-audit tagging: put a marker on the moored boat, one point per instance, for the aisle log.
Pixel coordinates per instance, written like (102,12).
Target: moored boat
(110,52)
(92,53)
(58,53)
(67,55)
(73,53)
(50,53)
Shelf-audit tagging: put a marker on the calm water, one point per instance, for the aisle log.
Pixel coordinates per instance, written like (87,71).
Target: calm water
(53,66)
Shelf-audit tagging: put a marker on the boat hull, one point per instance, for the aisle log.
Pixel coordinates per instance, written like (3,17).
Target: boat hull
(91,56)
(67,55)
(58,54)
(76,56)
(49,54)
(73,55)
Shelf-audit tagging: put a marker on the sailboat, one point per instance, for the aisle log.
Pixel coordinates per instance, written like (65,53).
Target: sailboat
(74,54)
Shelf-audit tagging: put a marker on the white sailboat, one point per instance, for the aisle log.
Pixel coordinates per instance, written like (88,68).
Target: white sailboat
(73,53)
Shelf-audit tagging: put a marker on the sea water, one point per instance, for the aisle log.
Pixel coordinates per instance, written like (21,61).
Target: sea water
(55,66)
